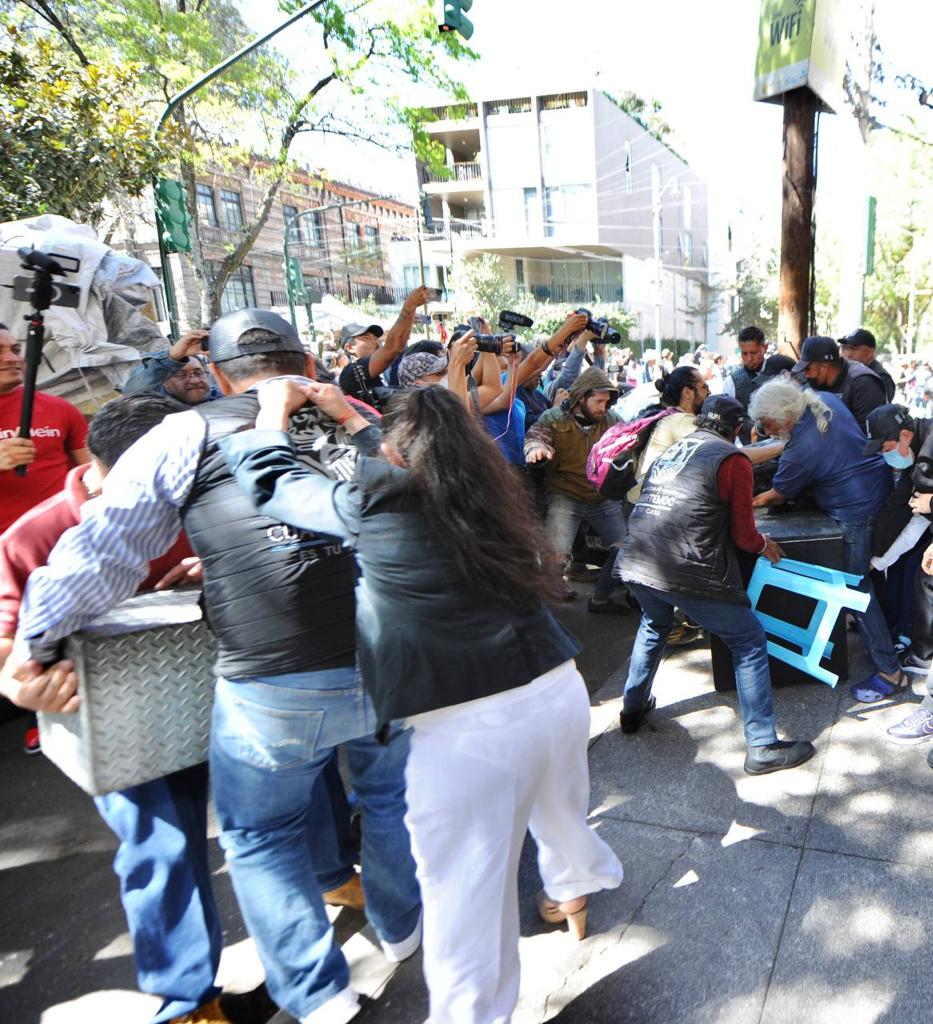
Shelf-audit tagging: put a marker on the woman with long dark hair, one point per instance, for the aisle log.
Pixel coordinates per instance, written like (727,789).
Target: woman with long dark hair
(453,636)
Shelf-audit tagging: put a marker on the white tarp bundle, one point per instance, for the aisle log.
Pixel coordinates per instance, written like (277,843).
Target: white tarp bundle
(106,331)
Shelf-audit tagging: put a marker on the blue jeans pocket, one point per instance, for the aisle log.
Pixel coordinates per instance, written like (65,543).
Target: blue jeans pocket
(269,738)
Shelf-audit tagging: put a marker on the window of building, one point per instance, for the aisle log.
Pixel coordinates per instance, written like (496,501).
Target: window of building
(292,226)
(513,106)
(520,274)
(231,210)
(207,212)
(685,243)
(371,239)
(686,196)
(315,283)
(563,100)
(628,167)
(314,228)
(567,207)
(239,291)
(532,211)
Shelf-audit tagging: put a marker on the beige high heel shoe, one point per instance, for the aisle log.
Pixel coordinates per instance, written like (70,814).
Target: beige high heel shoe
(571,911)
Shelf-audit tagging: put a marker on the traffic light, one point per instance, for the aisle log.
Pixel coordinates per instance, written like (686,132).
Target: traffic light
(171,215)
(454,18)
(294,282)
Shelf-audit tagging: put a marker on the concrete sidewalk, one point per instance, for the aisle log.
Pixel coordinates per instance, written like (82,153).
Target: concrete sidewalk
(800,896)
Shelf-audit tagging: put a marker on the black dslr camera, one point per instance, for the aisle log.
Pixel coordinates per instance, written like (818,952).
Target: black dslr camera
(494,343)
(600,327)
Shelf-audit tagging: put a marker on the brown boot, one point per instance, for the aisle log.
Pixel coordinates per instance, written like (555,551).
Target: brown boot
(350,894)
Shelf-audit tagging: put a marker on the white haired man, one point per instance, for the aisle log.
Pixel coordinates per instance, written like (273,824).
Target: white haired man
(825,450)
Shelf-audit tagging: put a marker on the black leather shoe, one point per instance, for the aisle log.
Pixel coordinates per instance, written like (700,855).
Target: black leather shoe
(255,1007)
(631,720)
(777,756)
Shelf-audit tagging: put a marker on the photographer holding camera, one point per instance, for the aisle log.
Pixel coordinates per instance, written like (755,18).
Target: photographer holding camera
(370,357)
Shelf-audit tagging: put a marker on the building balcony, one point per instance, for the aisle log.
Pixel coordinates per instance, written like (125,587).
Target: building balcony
(461,179)
(457,229)
(466,171)
(453,117)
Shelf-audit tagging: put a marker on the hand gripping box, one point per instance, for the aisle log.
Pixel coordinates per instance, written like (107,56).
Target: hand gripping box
(146,681)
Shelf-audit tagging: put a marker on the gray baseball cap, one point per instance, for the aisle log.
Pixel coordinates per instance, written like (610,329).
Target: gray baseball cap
(352,331)
(224,339)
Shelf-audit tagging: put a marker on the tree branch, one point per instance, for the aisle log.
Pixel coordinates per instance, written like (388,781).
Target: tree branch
(45,12)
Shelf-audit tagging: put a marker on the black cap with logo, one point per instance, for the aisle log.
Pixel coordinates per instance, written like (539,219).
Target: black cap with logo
(724,409)
(885,424)
(817,350)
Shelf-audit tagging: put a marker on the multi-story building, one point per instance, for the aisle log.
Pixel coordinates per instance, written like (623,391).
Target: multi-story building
(343,242)
(578,200)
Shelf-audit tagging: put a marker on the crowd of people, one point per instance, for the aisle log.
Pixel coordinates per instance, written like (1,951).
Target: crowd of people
(436,502)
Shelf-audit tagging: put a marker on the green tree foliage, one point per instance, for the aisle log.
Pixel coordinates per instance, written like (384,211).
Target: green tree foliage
(357,57)
(74,133)
(481,287)
(755,296)
(648,113)
(899,294)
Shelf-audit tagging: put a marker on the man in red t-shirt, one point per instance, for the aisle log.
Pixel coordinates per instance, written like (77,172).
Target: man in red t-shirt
(58,442)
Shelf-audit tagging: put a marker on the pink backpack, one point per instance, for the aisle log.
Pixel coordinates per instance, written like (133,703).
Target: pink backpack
(611,465)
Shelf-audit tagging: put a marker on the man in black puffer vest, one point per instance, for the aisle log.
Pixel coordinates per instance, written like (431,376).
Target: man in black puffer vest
(280,603)
(680,551)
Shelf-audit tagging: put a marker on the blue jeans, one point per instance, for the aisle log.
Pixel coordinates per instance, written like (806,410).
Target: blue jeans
(271,737)
(564,517)
(165,887)
(871,624)
(734,624)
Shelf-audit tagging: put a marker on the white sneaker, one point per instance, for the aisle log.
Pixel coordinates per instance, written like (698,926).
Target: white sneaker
(338,1009)
(396,952)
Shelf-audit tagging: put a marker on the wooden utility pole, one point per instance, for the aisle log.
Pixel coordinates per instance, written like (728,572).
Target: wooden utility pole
(800,107)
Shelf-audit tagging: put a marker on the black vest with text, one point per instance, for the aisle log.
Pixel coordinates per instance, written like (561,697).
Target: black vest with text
(745,385)
(678,536)
(277,599)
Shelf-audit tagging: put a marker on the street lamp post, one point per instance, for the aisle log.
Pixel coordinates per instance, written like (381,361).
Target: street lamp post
(657,204)
(172,104)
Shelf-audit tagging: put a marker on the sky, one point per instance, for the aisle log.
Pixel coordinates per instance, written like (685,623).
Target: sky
(696,58)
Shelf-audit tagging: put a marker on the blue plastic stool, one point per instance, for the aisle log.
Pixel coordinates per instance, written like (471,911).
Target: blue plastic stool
(831,589)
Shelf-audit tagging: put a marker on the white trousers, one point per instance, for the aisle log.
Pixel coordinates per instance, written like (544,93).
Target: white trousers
(480,774)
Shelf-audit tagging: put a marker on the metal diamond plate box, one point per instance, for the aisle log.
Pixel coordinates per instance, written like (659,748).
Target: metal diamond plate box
(146,681)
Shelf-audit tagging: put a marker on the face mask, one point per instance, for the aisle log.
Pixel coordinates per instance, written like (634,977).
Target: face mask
(897,461)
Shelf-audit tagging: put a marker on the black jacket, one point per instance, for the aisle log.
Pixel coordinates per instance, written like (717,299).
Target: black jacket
(428,635)
(861,389)
(896,513)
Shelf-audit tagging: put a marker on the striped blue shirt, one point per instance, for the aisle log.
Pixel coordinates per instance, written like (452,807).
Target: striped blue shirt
(104,559)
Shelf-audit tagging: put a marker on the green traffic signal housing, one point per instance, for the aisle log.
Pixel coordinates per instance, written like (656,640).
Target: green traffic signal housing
(172,215)
(454,18)
(294,281)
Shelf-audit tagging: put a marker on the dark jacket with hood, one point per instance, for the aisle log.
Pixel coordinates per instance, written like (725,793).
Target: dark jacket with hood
(567,438)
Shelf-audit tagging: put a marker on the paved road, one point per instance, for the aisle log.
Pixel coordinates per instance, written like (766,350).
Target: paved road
(805,896)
